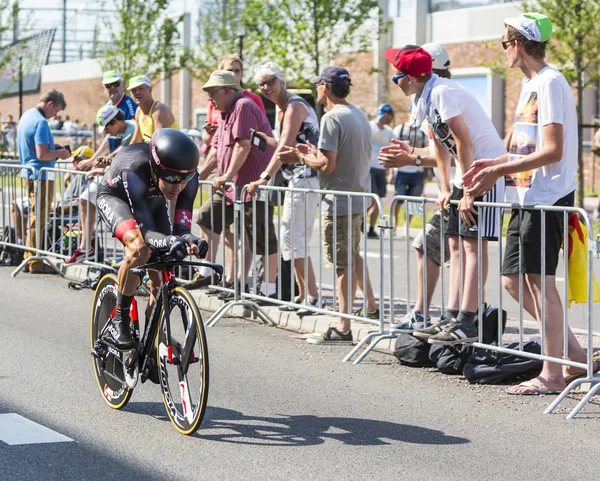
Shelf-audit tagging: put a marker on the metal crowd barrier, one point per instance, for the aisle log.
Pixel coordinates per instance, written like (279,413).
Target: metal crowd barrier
(417,206)
(326,279)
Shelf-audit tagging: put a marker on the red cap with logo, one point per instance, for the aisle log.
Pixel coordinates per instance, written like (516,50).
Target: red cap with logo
(415,62)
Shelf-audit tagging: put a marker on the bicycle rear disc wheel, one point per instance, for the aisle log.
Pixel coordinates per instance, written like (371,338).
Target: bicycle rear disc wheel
(185,394)
(108,368)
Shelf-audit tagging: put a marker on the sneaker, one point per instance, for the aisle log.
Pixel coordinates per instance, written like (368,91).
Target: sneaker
(199,282)
(411,321)
(333,336)
(297,300)
(374,315)
(214,291)
(372,234)
(228,296)
(432,330)
(306,311)
(455,333)
(79,255)
(266,302)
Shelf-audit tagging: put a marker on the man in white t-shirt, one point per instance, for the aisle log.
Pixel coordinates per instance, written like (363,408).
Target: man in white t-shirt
(433,241)
(381,135)
(539,169)
(462,130)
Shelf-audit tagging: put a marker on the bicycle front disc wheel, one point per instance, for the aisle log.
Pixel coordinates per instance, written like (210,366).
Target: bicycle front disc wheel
(108,363)
(182,354)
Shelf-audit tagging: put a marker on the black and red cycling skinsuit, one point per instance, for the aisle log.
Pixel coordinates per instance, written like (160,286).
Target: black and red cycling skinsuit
(129,198)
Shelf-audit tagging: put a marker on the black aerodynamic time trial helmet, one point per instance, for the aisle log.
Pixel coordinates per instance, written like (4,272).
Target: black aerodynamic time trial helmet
(174,155)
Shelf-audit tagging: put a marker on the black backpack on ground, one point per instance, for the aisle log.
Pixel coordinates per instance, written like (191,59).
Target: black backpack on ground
(450,359)
(491,367)
(10,256)
(412,351)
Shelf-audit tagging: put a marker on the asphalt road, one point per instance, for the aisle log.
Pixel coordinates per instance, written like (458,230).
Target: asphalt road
(279,409)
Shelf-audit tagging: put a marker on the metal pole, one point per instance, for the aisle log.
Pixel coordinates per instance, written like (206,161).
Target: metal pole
(64,39)
(20,87)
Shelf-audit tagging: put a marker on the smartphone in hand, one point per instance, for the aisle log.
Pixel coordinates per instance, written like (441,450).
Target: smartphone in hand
(257,140)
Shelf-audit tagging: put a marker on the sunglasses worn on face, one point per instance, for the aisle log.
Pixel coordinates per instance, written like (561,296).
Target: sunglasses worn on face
(507,43)
(396,78)
(267,83)
(114,84)
(177,178)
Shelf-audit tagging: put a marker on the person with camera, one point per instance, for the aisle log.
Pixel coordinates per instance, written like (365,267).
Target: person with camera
(37,150)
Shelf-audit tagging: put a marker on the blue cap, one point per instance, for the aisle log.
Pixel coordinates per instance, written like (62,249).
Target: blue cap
(385,109)
(332,74)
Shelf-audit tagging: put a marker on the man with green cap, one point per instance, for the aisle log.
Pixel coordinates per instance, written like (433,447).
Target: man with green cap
(540,169)
(152,115)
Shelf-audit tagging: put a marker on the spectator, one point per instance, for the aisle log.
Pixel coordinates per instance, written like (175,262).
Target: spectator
(461,129)
(113,121)
(151,115)
(114,88)
(36,149)
(408,180)
(342,160)
(59,123)
(540,169)
(231,63)
(239,162)
(381,135)
(399,154)
(296,123)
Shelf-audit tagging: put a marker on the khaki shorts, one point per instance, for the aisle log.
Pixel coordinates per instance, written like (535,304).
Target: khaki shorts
(341,239)
(432,239)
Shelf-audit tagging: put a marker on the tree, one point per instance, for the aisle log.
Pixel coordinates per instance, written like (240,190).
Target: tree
(304,35)
(144,41)
(219,23)
(8,15)
(575,49)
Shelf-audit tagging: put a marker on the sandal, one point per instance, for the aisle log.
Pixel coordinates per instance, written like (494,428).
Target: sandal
(536,389)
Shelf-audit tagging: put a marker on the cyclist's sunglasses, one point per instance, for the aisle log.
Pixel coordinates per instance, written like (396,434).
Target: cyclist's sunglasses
(507,43)
(114,84)
(396,78)
(177,178)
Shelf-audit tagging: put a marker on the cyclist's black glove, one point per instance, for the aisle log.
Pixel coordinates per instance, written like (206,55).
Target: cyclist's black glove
(177,247)
(191,239)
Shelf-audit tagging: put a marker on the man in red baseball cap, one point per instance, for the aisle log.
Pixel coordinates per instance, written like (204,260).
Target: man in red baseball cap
(460,129)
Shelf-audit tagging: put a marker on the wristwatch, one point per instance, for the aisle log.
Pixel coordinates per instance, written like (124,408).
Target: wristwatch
(265,176)
(418,160)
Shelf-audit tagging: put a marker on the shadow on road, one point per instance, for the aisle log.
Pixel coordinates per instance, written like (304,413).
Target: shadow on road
(230,426)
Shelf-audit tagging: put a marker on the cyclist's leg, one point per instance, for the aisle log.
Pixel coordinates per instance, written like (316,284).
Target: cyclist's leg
(117,214)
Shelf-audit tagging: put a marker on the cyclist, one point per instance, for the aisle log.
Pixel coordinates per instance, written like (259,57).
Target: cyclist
(132,201)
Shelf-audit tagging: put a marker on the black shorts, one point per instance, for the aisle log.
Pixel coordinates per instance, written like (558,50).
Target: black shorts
(490,225)
(525,228)
(379,182)
(117,215)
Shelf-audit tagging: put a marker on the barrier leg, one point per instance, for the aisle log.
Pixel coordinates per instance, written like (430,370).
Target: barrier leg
(593,390)
(260,313)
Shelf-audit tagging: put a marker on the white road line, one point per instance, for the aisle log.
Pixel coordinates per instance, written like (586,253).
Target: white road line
(15,430)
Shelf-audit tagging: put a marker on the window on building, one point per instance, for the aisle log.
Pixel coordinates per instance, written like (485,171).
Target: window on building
(479,86)
(441,5)
(401,8)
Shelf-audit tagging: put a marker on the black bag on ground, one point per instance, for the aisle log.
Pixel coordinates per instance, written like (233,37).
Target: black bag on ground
(92,280)
(490,324)
(450,359)
(413,352)
(10,256)
(492,367)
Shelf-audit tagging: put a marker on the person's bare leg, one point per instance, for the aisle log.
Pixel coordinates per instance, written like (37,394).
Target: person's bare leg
(433,274)
(229,249)
(471,282)
(345,303)
(373,213)
(154,283)
(454,291)
(300,277)
(551,375)
(213,243)
(311,281)
(359,277)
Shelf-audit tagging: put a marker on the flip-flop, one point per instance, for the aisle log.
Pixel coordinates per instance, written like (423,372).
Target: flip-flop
(537,390)
(569,378)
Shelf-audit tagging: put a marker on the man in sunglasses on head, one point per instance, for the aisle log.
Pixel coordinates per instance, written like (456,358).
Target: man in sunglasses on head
(132,201)
(460,129)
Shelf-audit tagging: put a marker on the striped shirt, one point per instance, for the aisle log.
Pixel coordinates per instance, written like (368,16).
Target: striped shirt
(241,116)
